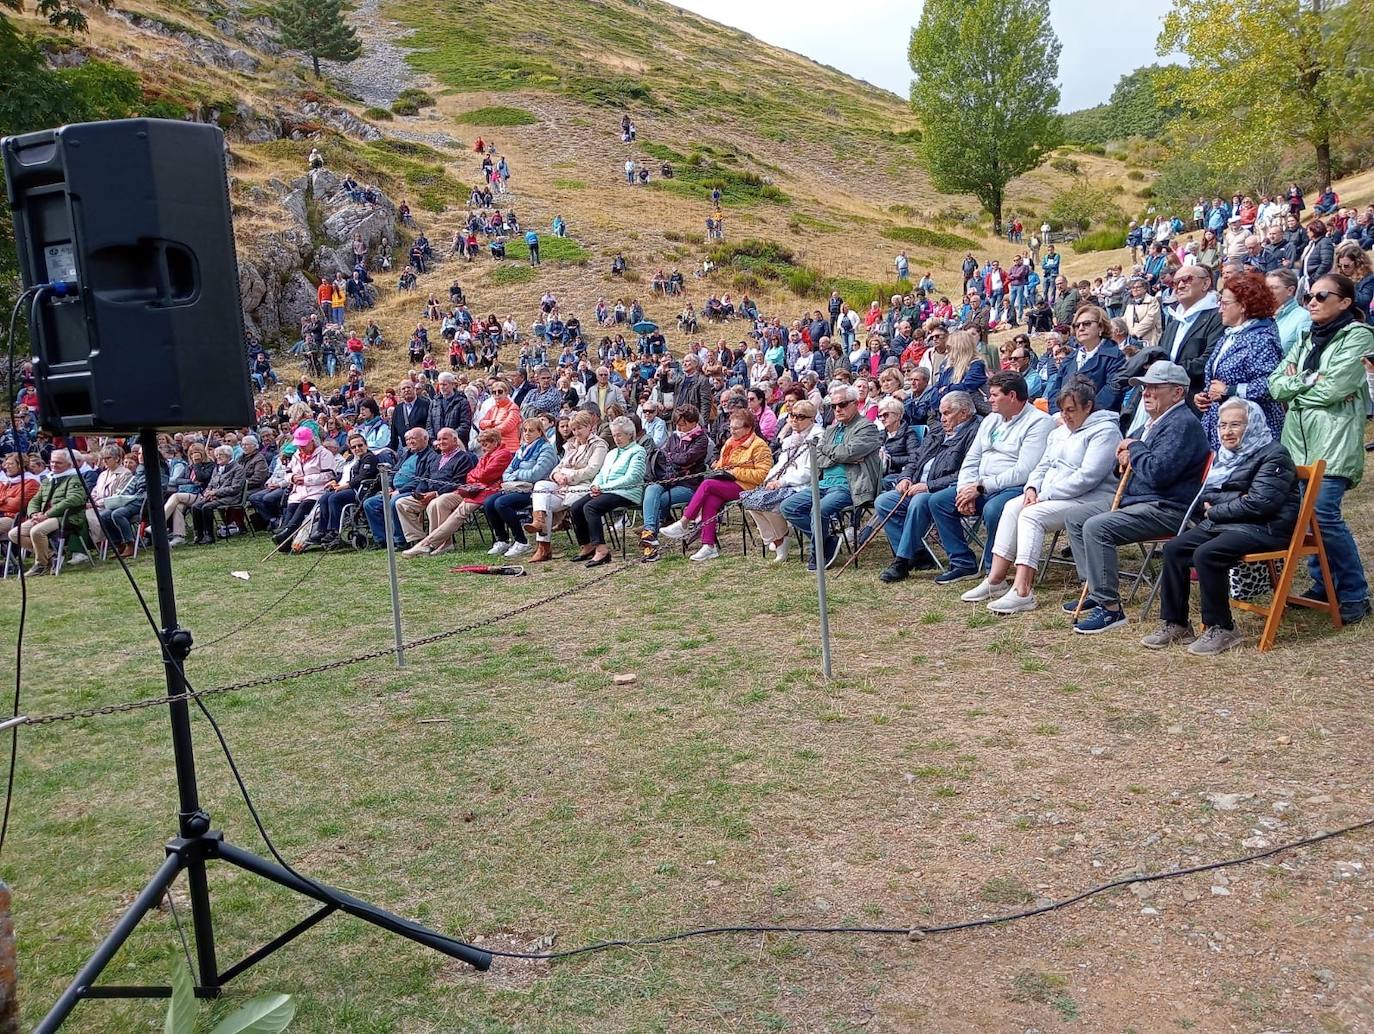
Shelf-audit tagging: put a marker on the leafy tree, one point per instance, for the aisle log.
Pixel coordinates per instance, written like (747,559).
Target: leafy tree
(1260,71)
(1139,106)
(985,87)
(318,28)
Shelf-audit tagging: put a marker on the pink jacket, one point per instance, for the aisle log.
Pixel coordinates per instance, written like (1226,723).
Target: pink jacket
(316,471)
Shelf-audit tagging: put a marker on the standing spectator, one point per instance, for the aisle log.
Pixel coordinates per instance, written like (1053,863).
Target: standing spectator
(532,241)
(1245,356)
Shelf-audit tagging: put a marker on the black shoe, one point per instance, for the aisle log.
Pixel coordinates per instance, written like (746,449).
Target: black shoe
(1314,594)
(1354,613)
(599,561)
(285,535)
(897,571)
(925,561)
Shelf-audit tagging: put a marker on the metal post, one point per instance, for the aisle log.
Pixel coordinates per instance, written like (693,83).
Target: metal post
(385,470)
(818,551)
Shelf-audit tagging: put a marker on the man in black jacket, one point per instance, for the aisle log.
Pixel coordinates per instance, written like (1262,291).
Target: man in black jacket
(410,412)
(694,389)
(935,466)
(449,408)
(1193,326)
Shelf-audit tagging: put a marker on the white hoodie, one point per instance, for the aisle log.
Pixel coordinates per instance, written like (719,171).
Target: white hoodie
(1079,463)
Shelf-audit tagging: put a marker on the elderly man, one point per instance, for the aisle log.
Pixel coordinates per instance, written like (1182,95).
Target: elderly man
(851,469)
(225,489)
(429,497)
(59,502)
(1066,302)
(1293,319)
(1008,446)
(449,408)
(603,393)
(1193,326)
(417,464)
(1165,473)
(546,397)
(254,462)
(934,468)
(410,411)
(693,388)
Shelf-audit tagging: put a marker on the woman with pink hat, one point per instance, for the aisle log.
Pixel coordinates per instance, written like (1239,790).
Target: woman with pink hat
(312,470)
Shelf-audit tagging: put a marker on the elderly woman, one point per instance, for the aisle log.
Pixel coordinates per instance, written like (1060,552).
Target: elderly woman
(743,463)
(675,470)
(1075,471)
(312,471)
(502,414)
(619,484)
(581,462)
(900,441)
(224,489)
(356,480)
(531,463)
(454,509)
(1249,503)
(1142,314)
(114,475)
(1097,358)
(1322,382)
(201,467)
(17,487)
(1240,364)
(791,473)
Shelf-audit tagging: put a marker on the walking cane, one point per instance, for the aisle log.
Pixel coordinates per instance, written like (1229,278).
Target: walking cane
(853,557)
(1116,501)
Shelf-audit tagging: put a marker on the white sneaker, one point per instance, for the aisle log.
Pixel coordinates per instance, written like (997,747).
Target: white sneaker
(677,530)
(78,558)
(519,549)
(1014,603)
(498,548)
(783,547)
(419,549)
(983,591)
(705,553)
(176,540)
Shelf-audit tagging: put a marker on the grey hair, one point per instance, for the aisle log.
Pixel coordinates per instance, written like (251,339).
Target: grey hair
(961,400)
(1053,338)
(1235,402)
(624,425)
(250,439)
(1287,277)
(448,377)
(844,393)
(890,405)
(225,452)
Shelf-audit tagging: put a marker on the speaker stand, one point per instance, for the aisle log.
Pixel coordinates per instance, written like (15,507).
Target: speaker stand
(196,843)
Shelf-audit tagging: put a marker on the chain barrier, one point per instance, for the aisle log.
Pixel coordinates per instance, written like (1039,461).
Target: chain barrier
(316,669)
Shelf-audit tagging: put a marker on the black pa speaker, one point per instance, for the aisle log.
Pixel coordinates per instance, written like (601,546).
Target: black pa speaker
(133,217)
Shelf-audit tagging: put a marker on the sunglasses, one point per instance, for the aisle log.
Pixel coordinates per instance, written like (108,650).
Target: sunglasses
(1086,323)
(1184,279)
(1321,296)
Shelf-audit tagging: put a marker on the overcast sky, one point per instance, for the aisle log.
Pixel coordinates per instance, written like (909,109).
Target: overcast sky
(868,38)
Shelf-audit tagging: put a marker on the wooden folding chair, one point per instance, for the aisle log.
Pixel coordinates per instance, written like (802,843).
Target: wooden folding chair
(1306,541)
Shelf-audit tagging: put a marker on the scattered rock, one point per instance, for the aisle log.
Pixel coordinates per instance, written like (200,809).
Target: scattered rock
(627,679)
(1221,892)
(1256,843)
(1321,798)
(1324,977)
(1226,801)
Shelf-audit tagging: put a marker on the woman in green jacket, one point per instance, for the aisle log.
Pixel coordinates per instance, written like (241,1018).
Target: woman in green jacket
(1322,382)
(619,485)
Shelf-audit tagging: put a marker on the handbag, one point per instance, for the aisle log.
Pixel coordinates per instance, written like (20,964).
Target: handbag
(762,498)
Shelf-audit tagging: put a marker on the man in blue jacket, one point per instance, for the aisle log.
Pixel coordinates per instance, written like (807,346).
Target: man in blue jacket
(1166,463)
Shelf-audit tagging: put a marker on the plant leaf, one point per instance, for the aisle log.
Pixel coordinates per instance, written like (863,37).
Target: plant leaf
(268,1014)
(181,1010)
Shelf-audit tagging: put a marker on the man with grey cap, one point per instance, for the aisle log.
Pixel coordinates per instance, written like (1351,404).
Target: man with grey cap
(1166,461)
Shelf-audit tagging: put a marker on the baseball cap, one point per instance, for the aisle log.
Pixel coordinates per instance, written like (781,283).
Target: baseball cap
(1162,371)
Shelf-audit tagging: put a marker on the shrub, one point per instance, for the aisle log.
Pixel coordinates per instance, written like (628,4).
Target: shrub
(1065,165)
(1108,239)
(512,274)
(497,115)
(410,101)
(1096,149)
(377,114)
(1082,207)
(925,238)
(1136,175)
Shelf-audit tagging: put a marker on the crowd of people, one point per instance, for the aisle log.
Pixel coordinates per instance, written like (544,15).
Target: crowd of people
(1172,401)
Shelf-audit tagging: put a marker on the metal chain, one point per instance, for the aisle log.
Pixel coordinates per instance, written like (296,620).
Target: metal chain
(317,669)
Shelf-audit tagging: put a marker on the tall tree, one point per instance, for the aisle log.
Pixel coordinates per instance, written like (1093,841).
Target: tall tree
(985,91)
(1262,71)
(318,28)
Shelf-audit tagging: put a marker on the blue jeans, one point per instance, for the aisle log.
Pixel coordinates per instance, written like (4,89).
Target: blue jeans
(658,500)
(1341,552)
(356,358)
(504,511)
(907,530)
(796,511)
(331,508)
(376,521)
(331,363)
(949,522)
(1018,300)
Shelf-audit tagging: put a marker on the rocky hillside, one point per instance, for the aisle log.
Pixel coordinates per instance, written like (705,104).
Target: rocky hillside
(820,180)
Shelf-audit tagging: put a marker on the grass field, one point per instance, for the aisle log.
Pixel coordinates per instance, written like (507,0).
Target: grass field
(504,787)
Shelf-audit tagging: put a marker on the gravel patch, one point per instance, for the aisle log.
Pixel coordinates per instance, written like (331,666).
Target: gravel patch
(381,73)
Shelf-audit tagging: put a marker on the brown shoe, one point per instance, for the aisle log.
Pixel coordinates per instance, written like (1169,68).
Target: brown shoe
(562,522)
(536,524)
(543,551)
(126,550)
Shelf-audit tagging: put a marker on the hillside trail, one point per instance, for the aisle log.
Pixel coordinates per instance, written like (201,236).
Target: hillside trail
(380,74)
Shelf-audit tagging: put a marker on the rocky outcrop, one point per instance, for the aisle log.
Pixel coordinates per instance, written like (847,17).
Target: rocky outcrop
(340,119)
(199,47)
(278,272)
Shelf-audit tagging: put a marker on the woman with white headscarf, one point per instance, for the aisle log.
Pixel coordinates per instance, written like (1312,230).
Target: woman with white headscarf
(1249,503)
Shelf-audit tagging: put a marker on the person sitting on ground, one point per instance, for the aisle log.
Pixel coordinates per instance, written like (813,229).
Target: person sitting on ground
(742,465)
(1249,504)
(1165,471)
(934,467)
(851,470)
(312,470)
(531,463)
(619,484)
(224,490)
(1076,470)
(57,505)
(448,513)
(1010,442)
(791,473)
(582,459)
(675,469)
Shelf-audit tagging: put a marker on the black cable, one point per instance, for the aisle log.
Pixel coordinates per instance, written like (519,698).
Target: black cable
(265,610)
(23,580)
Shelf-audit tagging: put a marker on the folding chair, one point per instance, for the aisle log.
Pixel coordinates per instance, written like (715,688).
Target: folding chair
(239,514)
(66,533)
(1306,541)
(1152,551)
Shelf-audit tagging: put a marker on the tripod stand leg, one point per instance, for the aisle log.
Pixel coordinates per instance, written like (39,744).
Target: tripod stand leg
(114,940)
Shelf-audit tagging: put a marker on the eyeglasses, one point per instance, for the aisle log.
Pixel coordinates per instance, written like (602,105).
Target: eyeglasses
(1184,279)
(1086,323)
(1321,296)
(498,391)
